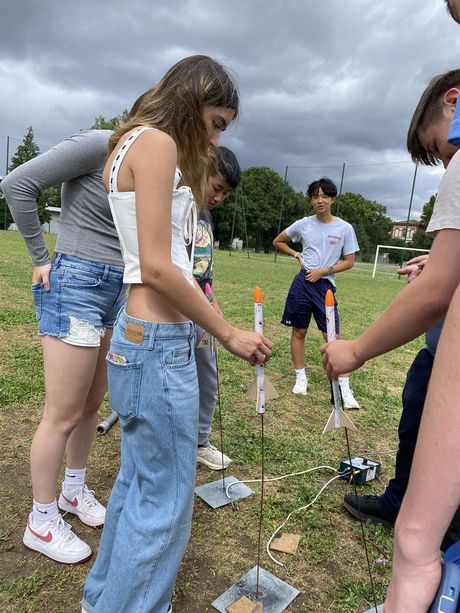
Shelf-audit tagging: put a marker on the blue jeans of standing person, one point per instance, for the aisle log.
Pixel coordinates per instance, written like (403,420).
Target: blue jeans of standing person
(413,399)
(153,387)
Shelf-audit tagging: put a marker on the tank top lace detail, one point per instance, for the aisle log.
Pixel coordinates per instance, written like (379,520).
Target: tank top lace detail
(123,207)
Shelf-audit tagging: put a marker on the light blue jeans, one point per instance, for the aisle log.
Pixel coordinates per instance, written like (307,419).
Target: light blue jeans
(153,387)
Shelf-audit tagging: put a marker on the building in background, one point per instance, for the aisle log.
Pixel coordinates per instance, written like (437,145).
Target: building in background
(400,228)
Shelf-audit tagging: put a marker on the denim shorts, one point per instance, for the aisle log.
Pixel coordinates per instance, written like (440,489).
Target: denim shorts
(306,299)
(84,299)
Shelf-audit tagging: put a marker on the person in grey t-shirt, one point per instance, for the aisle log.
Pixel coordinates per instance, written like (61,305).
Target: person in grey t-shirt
(328,247)
(77,294)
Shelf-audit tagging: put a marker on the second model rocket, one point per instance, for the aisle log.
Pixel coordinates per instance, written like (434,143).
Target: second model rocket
(338,417)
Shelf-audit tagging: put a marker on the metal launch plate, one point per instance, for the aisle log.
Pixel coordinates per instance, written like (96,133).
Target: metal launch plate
(214,493)
(276,595)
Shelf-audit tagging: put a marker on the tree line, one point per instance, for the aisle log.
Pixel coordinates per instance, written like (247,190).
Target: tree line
(262,206)
(265,204)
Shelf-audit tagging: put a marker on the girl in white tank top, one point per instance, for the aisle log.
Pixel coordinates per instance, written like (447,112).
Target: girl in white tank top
(151,369)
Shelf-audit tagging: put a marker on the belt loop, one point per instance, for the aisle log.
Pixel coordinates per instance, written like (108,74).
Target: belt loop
(153,334)
(106,273)
(56,257)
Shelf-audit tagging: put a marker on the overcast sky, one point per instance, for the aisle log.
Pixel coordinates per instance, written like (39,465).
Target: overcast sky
(323,82)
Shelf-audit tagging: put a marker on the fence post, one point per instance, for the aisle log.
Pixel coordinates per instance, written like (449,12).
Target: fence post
(233,220)
(409,211)
(244,219)
(281,207)
(6,172)
(340,188)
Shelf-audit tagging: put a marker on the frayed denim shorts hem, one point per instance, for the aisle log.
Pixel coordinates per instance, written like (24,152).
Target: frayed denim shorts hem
(83,300)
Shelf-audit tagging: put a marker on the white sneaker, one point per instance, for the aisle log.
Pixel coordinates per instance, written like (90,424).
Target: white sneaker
(56,540)
(211,457)
(349,401)
(300,387)
(83,503)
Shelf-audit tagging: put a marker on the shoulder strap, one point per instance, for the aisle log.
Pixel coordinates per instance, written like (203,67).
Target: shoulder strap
(113,179)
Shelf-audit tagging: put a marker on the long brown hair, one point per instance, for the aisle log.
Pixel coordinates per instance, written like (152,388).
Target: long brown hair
(175,106)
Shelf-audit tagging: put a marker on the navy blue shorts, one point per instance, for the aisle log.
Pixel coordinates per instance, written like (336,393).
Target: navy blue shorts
(306,299)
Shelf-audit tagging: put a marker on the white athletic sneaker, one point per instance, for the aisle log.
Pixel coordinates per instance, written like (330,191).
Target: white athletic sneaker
(300,387)
(349,401)
(212,458)
(83,503)
(56,540)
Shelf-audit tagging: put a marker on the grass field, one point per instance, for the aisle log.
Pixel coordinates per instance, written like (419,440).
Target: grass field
(329,567)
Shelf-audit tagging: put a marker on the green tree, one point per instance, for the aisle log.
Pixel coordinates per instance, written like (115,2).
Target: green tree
(421,240)
(260,195)
(101,123)
(369,220)
(25,152)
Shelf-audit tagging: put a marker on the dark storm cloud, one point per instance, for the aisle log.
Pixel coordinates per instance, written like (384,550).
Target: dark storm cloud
(322,83)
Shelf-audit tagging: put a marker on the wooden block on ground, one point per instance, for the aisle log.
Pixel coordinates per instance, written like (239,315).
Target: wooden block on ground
(287,543)
(245,605)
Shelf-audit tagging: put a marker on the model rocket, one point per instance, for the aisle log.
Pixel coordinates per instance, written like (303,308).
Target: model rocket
(338,417)
(260,389)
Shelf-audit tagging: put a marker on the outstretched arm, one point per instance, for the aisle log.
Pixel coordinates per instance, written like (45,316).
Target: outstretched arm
(433,493)
(415,309)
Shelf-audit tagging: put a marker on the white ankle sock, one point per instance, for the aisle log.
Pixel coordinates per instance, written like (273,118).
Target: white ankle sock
(42,513)
(74,478)
(344,382)
(300,374)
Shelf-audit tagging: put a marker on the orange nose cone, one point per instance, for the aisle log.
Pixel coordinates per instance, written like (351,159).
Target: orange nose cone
(329,301)
(257,294)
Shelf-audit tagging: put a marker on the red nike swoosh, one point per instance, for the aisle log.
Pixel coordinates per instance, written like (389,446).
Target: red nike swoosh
(46,538)
(73,502)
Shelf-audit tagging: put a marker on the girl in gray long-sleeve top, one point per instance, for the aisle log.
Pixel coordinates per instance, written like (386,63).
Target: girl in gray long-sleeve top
(77,295)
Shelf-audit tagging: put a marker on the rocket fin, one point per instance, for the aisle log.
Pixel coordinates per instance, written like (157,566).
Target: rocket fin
(345,421)
(270,390)
(252,391)
(205,341)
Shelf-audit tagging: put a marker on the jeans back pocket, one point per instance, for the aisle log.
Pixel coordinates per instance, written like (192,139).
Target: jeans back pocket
(124,388)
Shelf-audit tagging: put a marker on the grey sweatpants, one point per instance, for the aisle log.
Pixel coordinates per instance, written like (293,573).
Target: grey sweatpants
(207,383)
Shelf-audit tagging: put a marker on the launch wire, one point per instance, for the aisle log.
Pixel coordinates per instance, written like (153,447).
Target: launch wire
(302,472)
(258,594)
(361,521)
(219,411)
(303,508)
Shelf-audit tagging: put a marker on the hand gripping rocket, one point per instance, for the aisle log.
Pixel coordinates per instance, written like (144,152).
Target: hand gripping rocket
(338,417)
(260,389)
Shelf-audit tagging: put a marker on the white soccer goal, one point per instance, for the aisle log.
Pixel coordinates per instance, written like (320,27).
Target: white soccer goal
(381,257)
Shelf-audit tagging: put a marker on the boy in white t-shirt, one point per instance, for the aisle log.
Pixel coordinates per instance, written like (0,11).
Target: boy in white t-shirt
(328,246)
